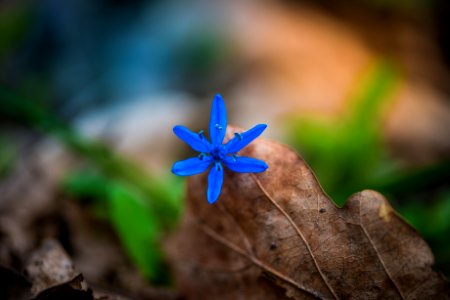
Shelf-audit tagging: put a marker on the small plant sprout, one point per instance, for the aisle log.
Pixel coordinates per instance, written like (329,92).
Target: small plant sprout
(215,153)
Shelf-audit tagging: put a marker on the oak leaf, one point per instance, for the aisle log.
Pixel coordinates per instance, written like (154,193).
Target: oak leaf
(277,235)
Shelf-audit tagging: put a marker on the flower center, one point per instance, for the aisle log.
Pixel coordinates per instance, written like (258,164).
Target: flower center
(218,153)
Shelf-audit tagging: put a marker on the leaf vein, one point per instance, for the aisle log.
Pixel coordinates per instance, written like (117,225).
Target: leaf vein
(299,232)
(379,256)
(214,235)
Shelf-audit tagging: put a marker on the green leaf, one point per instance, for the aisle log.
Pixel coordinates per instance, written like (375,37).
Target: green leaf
(138,226)
(7,157)
(138,229)
(82,184)
(346,153)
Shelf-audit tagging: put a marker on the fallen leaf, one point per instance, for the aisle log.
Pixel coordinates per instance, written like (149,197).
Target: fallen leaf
(71,290)
(50,266)
(277,235)
(53,276)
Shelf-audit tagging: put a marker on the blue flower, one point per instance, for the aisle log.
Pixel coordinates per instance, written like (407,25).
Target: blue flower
(215,153)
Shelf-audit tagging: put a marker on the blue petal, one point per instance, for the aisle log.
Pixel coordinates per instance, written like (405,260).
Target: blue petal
(191,166)
(243,164)
(196,140)
(218,120)
(215,180)
(243,139)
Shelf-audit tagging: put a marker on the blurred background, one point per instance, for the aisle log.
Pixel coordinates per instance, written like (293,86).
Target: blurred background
(90,91)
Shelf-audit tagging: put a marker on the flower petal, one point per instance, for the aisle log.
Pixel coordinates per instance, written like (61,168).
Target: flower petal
(196,140)
(215,180)
(242,164)
(191,166)
(218,120)
(243,139)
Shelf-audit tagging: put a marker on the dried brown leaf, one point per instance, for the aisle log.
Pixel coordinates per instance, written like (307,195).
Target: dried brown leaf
(277,235)
(50,266)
